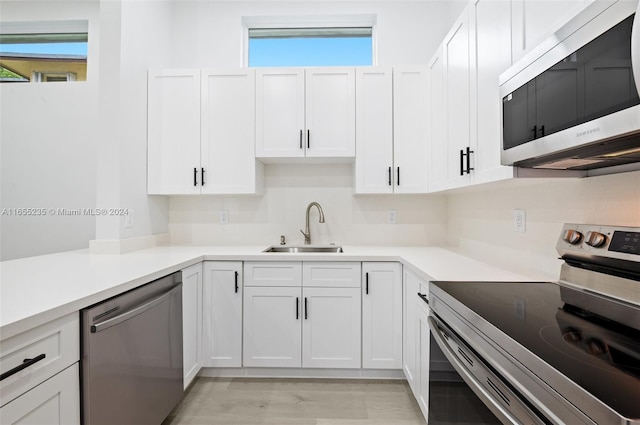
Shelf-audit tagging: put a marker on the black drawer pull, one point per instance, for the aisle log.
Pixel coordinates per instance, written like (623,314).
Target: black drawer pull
(297,308)
(424,297)
(202,176)
(398,180)
(366,283)
(389,176)
(195,176)
(308,139)
(236,273)
(25,364)
(306,309)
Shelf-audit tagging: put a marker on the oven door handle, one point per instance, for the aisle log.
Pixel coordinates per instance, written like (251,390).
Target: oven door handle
(485,396)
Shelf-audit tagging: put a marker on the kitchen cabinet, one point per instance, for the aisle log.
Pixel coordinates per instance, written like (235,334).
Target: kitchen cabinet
(410,289)
(305,112)
(465,96)
(201,132)
(532,21)
(191,322)
(222,324)
(49,386)
(391,130)
(382,315)
(291,321)
(54,401)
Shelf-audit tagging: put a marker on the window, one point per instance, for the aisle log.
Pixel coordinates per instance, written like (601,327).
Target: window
(43,52)
(346,40)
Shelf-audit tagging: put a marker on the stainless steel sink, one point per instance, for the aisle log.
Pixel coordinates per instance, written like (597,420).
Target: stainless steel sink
(304,249)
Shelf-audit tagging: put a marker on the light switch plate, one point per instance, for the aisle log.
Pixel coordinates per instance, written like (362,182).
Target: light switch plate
(392,217)
(519,220)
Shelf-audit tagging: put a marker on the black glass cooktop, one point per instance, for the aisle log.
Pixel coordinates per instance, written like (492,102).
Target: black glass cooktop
(600,355)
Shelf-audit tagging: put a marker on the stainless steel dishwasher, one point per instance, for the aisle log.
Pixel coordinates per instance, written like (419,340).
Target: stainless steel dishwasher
(131,367)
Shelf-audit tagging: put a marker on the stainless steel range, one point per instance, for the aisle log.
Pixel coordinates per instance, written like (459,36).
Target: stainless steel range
(545,352)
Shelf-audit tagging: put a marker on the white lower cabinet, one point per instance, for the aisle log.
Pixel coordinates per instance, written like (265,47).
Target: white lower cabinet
(423,336)
(222,322)
(302,325)
(55,401)
(382,315)
(410,288)
(191,322)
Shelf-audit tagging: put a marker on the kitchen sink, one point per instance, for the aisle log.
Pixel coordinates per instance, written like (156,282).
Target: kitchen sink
(304,249)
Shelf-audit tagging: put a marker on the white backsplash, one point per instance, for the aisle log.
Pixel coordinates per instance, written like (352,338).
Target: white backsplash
(350,219)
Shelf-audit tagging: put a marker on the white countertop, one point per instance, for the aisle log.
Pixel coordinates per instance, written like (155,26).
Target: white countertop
(36,290)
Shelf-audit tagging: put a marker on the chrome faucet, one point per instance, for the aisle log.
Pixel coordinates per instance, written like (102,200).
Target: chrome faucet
(307,231)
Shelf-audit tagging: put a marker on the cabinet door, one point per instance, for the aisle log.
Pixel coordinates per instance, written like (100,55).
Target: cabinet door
(492,35)
(410,287)
(438,122)
(280,120)
(228,131)
(331,328)
(272,327)
(422,356)
(55,401)
(191,322)
(173,132)
(534,20)
(222,325)
(410,128)
(382,316)
(457,79)
(374,130)
(330,112)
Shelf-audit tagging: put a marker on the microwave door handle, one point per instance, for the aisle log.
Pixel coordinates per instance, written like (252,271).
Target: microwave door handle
(487,398)
(133,312)
(635,50)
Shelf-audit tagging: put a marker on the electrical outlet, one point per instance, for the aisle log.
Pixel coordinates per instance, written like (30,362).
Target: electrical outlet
(519,221)
(392,217)
(128,219)
(223,217)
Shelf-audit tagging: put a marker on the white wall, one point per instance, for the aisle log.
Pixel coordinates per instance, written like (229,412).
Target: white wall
(350,219)
(480,223)
(48,145)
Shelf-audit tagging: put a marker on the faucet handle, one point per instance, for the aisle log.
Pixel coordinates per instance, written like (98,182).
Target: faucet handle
(307,237)
(282,240)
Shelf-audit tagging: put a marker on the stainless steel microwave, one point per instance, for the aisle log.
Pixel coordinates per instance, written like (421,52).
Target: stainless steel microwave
(573,103)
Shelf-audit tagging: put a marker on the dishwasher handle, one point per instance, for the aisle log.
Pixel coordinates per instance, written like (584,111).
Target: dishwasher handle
(133,312)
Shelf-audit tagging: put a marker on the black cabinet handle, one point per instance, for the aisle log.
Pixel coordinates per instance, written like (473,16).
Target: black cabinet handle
(535,132)
(542,131)
(465,153)
(306,309)
(300,138)
(461,163)
(195,176)
(25,364)
(424,297)
(236,277)
(469,152)
(398,179)
(297,308)
(202,176)
(366,283)
(308,138)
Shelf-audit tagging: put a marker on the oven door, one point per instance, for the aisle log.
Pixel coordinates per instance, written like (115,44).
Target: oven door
(463,388)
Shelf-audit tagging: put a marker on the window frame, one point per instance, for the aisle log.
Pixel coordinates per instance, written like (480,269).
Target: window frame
(315,21)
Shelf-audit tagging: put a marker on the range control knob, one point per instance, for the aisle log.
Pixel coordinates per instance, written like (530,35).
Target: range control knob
(595,239)
(572,236)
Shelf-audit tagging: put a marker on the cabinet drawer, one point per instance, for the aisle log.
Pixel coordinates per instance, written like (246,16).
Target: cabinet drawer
(58,341)
(331,275)
(55,401)
(272,273)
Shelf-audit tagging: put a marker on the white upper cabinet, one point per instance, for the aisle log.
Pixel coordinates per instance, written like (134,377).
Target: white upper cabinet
(373,172)
(305,113)
(173,131)
(200,132)
(410,129)
(534,20)
(228,132)
(464,94)
(391,130)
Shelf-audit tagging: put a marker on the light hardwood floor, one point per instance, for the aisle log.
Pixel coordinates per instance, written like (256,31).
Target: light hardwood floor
(248,401)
